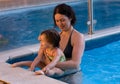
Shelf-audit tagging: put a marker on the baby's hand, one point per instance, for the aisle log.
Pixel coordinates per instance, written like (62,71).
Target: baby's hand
(39,72)
(14,65)
(31,68)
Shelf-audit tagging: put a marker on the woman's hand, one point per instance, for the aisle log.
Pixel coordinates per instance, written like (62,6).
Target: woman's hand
(46,70)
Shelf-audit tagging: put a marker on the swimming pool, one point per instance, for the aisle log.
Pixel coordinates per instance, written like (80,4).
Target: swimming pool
(21,27)
(100,65)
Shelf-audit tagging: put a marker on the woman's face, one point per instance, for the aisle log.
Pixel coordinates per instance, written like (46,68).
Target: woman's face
(62,21)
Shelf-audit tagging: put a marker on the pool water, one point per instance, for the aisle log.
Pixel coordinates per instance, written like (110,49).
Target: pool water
(102,65)
(99,66)
(22,27)
(107,13)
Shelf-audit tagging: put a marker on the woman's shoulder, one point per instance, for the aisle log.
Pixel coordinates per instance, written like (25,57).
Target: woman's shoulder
(77,35)
(77,39)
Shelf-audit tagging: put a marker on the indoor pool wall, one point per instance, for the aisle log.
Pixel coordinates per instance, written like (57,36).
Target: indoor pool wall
(101,41)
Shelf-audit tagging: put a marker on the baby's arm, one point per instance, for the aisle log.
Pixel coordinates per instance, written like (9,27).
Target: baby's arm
(37,59)
(55,60)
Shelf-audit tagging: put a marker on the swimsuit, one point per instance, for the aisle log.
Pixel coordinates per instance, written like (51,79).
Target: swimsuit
(69,48)
(68,54)
(62,58)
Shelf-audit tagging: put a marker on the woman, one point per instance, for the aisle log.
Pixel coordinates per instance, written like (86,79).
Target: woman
(72,42)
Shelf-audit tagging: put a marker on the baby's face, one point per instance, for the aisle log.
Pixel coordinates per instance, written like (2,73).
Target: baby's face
(43,41)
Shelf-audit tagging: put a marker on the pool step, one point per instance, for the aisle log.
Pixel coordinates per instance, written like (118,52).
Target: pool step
(27,50)
(20,76)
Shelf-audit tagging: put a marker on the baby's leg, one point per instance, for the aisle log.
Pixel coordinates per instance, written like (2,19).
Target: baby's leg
(55,71)
(22,63)
(40,65)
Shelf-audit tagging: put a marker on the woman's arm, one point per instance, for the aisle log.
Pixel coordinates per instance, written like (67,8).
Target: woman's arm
(78,43)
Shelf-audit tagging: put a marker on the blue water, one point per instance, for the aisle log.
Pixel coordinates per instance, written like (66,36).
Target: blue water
(99,66)
(107,13)
(102,65)
(21,27)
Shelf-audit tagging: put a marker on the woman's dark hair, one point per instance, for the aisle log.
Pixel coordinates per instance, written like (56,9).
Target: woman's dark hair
(65,10)
(52,36)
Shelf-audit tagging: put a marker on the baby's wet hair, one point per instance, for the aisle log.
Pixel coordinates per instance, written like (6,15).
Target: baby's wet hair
(52,36)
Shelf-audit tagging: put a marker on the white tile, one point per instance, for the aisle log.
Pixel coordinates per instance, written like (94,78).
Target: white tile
(20,76)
